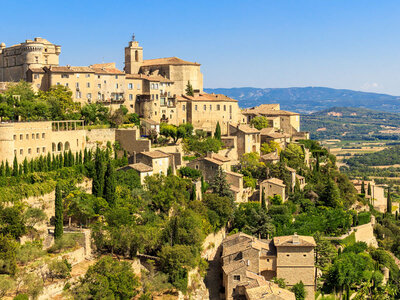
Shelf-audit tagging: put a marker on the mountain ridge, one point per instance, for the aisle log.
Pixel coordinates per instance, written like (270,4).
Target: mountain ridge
(310,99)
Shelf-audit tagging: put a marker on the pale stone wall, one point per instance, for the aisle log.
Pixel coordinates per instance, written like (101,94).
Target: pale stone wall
(129,139)
(211,244)
(100,136)
(270,190)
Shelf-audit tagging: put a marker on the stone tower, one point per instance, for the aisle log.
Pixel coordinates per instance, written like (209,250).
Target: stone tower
(133,58)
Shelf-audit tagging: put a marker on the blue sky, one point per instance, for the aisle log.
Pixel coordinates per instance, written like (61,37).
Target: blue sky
(351,44)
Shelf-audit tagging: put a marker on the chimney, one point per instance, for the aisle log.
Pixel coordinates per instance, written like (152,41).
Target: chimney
(209,154)
(295,240)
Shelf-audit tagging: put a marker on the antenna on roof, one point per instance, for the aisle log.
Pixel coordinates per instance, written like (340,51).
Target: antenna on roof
(133,37)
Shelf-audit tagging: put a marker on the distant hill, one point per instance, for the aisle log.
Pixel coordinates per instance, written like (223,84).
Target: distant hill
(350,123)
(310,99)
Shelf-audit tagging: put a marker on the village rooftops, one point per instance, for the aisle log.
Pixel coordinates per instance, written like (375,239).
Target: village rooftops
(247,129)
(140,167)
(154,78)
(269,291)
(275,181)
(206,97)
(267,110)
(168,61)
(254,243)
(294,241)
(108,68)
(270,156)
(234,266)
(155,154)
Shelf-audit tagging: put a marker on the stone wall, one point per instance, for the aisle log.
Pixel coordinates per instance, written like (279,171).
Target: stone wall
(212,243)
(99,136)
(129,139)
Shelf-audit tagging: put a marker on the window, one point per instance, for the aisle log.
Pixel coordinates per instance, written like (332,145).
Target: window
(88,84)
(36,76)
(33,136)
(38,86)
(138,86)
(87,75)
(37,59)
(267,259)
(43,135)
(305,255)
(152,97)
(77,85)
(170,116)
(37,136)
(287,255)
(29,150)
(98,76)
(58,83)
(152,86)
(43,149)
(37,150)
(130,86)
(15,152)
(157,97)
(20,136)
(169,94)
(195,107)
(210,107)
(27,136)
(224,107)
(98,96)
(77,75)
(116,85)
(89,96)
(46,60)
(78,95)
(21,151)
(132,107)
(116,76)
(156,85)
(105,81)
(218,107)
(15,137)
(204,107)
(236,277)
(67,84)
(99,85)
(64,76)
(130,97)
(183,107)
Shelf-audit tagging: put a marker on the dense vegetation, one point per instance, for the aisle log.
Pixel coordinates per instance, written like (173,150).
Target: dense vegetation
(353,124)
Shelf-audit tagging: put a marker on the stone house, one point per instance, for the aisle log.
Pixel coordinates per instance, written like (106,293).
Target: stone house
(295,177)
(158,160)
(149,125)
(249,263)
(248,138)
(272,157)
(272,187)
(270,134)
(142,169)
(377,197)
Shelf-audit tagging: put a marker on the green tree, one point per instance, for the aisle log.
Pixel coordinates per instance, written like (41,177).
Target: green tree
(299,291)
(15,167)
(110,185)
(108,279)
(8,250)
(59,214)
(220,186)
(25,166)
(270,147)
(98,177)
(189,89)
(263,203)
(260,122)
(8,170)
(369,189)
(363,188)
(389,202)
(217,133)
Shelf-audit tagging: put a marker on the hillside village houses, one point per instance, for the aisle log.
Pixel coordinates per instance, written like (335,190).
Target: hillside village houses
(155,90)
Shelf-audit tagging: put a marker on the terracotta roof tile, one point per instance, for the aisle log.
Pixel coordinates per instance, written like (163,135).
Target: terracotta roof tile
(155,154)
(285,241)
(167,61)
(275,181)
(233,266)
(141,167)
(207,97)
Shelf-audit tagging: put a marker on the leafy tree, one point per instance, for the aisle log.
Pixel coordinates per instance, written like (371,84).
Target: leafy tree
(363,188)
(299,291)
(59,215)
(260,122)
(62,107)
(12,221)
(95,113)
(190,173)
(110,185)
(263,203)
(107,279)
(189,89)
(8,249)
(331,195)
(59,269)
(220,186)
(270,147)
(15,167)
(217,133)
(325,252)
(223,207)
(98,177)
(6,284)
(200,146)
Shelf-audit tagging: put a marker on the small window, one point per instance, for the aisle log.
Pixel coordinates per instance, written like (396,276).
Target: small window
(195,107)
(21,151)
(197,167)
(267,259)
(99,86)
(218,107)
(130,86)
(36,76)
(157,97)
(37,136)
(224,107)
(116,85)
(138,86)
(64,76)
(130,97)
(29,150)
(77,75)
(37,59)
(20,136)
(236,277)
(210,107)
(33,136)
(37,150)
(287,255)
(15,137)
(43,135)
(88,84)
(67,84)
(15,152)
(27,136)
(105,81)
(305,255)
(87,75)
(183,107)
(98,76)
(116,76)
(43,149)
(204,107)
(89,96)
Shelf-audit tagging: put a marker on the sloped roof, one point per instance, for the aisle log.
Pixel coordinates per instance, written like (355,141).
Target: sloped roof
(37,70)
(275,181)
(270,156)
(269,291)
(155,78)
(233,266)
(141,167)
(206,97)
(247,129)
(287,241)
(168,61)
(220,157)
(268,110)
(155,154)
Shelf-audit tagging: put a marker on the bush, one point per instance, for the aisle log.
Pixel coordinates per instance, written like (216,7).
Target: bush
(29,252)
(66,242)
(21,297)
(364,217)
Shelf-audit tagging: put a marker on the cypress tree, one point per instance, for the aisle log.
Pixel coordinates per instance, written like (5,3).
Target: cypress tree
(98,178)
(15,167)
(70,158)
(80,157)
(26,167)
(169,171)
(189,89)
(8,171)
(76,158)
(60,161)
(85,156)
(53,162)
(59,219)
(31,167)
(2,170)
(389,203)
(217,133)
(363,188)
(125,158)
(397,215)
(66,159)
(48,161)
(369,189)
(194,192)
(263,203)
(109,185)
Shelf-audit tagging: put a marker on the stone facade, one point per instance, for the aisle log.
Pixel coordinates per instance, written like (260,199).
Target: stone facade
(248,138)
(248,262)
(272,187)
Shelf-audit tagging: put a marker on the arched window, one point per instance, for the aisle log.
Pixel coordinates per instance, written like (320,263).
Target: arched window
(67,146)
(136,55)
(53,147)
(60,147)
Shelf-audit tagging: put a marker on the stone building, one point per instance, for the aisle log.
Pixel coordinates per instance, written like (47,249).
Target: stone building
(272,187)
(142,169)
(248,138)
(158,160)
(250,262)
(16,60)
(33,139)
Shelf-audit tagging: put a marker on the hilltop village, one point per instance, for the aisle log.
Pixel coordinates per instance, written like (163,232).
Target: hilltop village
(192,194)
